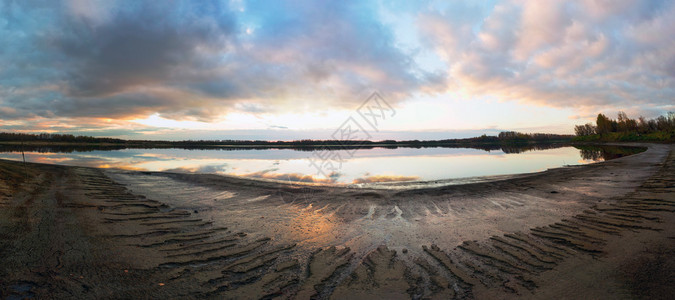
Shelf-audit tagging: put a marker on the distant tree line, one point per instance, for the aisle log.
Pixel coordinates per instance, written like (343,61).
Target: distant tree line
(69,148)
(52,137)
(503,137)
(513,135)
(624,124)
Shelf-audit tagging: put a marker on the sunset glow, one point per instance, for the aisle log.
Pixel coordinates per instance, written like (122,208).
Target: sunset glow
(293,70)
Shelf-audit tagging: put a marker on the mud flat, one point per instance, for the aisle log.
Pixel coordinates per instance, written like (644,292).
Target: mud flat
(605,230)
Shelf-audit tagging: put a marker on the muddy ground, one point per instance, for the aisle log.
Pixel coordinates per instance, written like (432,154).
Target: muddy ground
(605,230)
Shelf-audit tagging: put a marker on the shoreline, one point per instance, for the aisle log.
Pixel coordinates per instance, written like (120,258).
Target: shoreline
(113,233)
(400,185)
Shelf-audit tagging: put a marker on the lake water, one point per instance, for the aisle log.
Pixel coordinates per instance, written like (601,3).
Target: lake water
(359,167)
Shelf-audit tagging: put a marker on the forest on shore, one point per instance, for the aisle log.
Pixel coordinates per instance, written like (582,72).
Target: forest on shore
(625,129)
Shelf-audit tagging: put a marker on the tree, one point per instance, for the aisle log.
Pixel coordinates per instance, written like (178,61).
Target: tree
(662,123)
(642,125)
(625,124)
(604,124)
(586,129)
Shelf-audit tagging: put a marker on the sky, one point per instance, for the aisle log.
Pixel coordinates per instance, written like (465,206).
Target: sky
(284,70)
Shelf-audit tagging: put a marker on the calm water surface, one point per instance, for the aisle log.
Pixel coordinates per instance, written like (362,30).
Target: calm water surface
(363,167)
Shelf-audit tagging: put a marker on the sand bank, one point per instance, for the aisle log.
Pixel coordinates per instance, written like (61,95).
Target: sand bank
(89,233)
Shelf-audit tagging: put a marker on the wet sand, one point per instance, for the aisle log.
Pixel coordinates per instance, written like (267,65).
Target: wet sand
(605,230)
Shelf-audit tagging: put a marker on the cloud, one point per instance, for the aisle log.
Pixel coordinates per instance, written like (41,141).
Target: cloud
(141,44)
(195,60)
(582,54)
(80,60)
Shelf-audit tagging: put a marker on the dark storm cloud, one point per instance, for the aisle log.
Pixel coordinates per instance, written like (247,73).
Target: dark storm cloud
(142,44)
(61,61)
(193,59)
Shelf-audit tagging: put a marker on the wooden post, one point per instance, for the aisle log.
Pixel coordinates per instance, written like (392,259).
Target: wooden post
(25,170)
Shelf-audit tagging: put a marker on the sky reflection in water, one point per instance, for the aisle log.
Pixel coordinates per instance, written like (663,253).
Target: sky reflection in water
(367,165)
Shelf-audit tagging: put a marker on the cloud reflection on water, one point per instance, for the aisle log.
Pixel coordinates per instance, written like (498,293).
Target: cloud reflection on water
(368,166)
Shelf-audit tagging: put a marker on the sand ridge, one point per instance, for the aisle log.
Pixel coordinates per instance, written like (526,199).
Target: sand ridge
(85,233)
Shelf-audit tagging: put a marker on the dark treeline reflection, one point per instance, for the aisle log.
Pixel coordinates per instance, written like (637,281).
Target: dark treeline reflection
(533,147)
(597,153)
(508,149)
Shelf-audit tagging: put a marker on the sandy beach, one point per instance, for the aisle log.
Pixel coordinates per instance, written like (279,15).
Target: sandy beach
(598,231)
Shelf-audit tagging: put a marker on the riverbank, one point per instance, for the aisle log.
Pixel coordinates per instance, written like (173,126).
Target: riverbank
(606,229)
